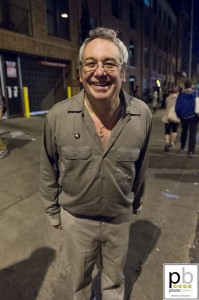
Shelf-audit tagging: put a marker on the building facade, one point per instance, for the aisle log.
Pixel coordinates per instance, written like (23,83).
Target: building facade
(40,39)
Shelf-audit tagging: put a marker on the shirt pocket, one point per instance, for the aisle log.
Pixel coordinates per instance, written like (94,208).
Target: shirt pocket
(125,163)
(75,166)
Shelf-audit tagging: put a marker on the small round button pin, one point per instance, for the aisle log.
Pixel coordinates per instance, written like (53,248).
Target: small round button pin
(77,135)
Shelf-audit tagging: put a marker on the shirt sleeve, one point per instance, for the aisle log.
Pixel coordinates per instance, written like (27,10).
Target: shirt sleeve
(49,174)
(141,167)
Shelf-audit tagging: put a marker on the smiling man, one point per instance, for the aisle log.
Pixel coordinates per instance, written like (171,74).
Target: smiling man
(93,166)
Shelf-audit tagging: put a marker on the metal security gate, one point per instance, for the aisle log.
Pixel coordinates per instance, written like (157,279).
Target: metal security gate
(10,82)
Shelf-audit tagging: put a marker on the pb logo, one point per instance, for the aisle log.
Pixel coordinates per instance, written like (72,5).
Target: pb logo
(183,278)
(181,281)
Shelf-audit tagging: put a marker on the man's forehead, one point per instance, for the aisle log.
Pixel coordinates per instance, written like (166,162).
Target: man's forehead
(101,47)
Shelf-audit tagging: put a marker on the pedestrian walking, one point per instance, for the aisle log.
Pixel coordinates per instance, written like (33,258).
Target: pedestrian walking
(170,120)
(93,165)
(185,110)
(165,94)
(136,92)
(154,99)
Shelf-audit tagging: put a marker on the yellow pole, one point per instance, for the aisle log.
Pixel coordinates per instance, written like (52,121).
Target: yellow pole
(69,92)
(26,102)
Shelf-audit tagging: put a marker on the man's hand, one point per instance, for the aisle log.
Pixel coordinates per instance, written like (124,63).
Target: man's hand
(58,226)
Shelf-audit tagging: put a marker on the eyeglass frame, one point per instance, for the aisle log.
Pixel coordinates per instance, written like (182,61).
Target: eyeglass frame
(104,64)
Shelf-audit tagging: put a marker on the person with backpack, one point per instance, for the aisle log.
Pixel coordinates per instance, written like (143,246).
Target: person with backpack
(185,110)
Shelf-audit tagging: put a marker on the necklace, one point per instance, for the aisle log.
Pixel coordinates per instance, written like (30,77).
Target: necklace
(100,132)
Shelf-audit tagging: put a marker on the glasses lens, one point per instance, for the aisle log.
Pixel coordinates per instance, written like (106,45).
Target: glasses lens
(108,67)
(90,67)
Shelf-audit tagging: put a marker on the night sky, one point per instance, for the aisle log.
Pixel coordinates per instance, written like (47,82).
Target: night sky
(186,4)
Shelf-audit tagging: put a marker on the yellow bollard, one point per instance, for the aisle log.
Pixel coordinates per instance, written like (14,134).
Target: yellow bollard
(69,92)
(26,102)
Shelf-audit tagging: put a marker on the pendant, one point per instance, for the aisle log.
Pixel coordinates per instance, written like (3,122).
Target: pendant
(100,133)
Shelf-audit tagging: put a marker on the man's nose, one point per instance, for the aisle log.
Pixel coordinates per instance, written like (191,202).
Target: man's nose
(100,70)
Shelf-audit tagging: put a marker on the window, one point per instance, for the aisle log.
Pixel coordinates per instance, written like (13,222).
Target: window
(147,3)
(169,23)
(160,12)
(132,16)
(146,57)
(155,61)
(155,6)
(116,8)
(15,16)
(147,26)
(58,18)
(174,48)
(160,40)
(165,43)
(93,22)
(159,64)
(155,34)
(132,80)
(132,53)
(164,18)
(164,66)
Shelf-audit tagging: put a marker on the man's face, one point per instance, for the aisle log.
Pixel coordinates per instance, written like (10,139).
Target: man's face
(101,74)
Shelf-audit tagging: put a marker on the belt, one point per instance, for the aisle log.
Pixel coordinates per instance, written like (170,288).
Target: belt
(93,218)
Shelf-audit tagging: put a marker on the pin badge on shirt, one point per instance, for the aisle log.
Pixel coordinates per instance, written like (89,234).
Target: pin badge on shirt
(77,135)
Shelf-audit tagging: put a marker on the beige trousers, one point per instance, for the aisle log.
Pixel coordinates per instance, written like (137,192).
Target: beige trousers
(85,241)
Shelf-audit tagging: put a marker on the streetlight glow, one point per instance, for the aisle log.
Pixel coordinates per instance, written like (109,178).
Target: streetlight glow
(64,15)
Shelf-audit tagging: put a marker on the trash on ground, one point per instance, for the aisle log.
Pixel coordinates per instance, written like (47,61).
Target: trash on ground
(170,195)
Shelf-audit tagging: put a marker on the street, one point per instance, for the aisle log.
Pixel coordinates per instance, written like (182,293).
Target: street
(34,264)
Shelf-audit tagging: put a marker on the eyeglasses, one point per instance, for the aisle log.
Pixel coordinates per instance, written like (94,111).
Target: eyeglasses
(109,67)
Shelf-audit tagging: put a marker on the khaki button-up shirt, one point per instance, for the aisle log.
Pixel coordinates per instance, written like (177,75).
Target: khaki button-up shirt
(79,175)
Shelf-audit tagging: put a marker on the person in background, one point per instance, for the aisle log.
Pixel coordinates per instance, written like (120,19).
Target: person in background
(171,123)
(136,92)
(3,148)
(185,110)
(93,166)
(165,94)
(154,99)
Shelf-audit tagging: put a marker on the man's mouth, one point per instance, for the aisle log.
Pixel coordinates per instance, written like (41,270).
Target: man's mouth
(101,84)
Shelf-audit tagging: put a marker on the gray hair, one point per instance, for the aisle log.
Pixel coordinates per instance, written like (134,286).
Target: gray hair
(107,34)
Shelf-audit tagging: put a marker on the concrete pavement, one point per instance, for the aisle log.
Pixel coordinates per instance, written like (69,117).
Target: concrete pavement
(33,262)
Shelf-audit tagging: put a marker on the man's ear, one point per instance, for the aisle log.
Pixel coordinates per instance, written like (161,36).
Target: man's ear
(80,77)
(124,75)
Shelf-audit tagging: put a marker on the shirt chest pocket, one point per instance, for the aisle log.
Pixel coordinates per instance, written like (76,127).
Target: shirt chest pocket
(125,163)
(75,164)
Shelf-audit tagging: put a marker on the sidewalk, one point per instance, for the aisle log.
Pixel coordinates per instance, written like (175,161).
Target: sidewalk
(34,264)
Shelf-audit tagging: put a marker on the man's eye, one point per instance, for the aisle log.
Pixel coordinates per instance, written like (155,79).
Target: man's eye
(110,65)
(90,65)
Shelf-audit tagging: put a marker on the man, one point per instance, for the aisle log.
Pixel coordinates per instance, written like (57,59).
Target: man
(185,110)
(93,165)
(136,92)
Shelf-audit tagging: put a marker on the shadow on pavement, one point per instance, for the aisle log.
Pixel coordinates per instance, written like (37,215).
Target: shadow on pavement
(142,239)
(194,251)
(158,159)
(187,178)
(23,280)
(16,143)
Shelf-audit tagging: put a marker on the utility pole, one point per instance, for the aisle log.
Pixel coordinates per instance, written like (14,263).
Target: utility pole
(191,40)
